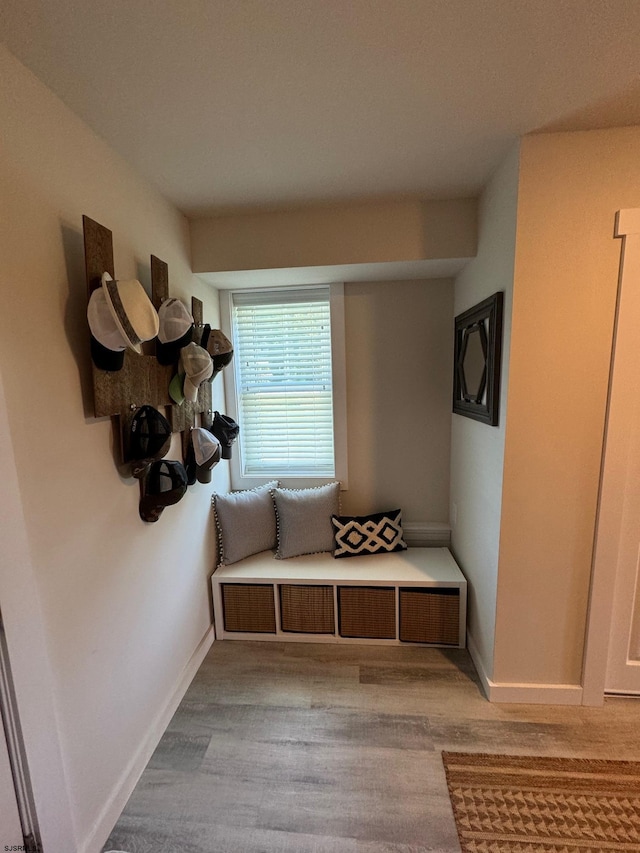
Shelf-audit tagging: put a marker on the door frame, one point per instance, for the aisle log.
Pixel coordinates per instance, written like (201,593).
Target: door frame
(28,653)
(611,497)
(19,790)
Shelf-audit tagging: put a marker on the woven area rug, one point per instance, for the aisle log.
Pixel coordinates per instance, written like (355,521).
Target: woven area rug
(509,804)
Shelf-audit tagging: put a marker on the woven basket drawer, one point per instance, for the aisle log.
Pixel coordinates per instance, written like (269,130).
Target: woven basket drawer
(248,607)
(367,611)
(430,616)
(306,609)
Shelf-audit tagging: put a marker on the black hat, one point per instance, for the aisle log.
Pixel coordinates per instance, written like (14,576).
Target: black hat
(164,485)
(149,440)
(190,464)
(105,358)
(226,431)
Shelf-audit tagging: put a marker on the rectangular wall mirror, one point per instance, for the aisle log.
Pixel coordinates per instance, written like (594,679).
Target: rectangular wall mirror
(477,357)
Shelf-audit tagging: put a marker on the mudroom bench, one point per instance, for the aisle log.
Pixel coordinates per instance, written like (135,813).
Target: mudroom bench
(416,596)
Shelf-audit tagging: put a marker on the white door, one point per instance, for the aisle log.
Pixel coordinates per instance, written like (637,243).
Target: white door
(10,828)
(11,834)
(622,454)
(623,662)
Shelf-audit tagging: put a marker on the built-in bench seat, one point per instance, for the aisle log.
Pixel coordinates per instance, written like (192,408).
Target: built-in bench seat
(414,596)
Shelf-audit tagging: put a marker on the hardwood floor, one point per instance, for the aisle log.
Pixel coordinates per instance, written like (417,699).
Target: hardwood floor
(309,748)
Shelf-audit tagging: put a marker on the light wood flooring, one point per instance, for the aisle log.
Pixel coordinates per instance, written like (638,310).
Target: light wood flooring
(309,748)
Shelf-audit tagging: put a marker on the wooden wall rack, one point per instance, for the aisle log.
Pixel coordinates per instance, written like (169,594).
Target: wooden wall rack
(142,379)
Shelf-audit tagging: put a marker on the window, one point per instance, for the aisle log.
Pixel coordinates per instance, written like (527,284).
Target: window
(286,384)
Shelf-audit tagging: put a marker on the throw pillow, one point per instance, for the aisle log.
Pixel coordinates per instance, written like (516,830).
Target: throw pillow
(378,533)
(304,519)
(245,522)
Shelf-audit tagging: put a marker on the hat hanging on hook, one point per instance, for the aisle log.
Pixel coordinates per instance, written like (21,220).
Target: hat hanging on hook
(132,310)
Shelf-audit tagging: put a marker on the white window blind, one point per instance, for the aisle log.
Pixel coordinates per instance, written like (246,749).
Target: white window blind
(283,372)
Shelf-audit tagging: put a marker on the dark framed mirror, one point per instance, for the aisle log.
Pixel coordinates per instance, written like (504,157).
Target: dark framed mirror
(477,357)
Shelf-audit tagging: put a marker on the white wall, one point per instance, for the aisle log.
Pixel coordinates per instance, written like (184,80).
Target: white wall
(477,449)
(124,605)
(566,276)
(399,352)
(325,235)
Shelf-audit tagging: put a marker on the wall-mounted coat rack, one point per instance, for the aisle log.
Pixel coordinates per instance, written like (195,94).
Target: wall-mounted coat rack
(142,379)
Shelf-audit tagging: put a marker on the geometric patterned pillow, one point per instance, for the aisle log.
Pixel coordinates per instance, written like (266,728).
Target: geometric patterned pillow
(378,533)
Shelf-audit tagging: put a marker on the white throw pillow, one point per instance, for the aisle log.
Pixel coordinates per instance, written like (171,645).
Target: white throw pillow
(304,519)
(246,523)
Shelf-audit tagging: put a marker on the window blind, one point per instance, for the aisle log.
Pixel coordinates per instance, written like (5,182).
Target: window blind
(282,356)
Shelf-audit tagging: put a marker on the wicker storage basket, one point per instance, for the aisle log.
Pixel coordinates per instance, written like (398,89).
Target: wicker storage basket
(367,611)
(306,609)
(249,607)
(430,616)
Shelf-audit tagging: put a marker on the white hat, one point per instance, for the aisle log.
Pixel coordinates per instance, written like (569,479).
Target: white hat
(197,366)
(175,320)
(176,330)
(101,323)
(207,452)
(107,343)
(132,310)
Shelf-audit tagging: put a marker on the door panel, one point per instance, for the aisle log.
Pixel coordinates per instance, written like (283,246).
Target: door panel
(623,664)
(10,828)
(623,444)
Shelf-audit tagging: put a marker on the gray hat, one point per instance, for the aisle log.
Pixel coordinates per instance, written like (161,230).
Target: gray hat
(197,366)
(219,347)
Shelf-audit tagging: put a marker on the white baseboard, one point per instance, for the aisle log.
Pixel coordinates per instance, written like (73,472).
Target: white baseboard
(122,791)
(536,694)
(522,693)
(479,665)
(424,534)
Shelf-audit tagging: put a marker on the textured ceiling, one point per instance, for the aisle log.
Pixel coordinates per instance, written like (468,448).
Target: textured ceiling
(269,103)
